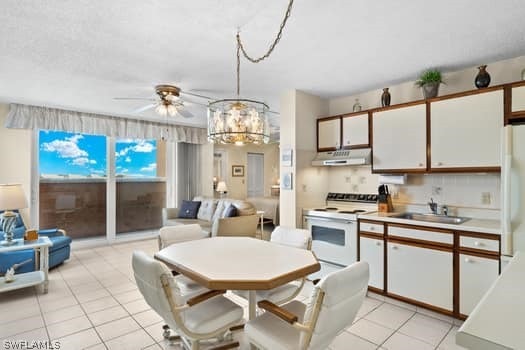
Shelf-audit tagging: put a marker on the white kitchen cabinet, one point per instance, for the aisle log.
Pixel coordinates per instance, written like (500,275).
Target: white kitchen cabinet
(466,131)
(372,251)
(328,134)
(476,275)
(420,274)
(399,139)
(355,131)
(518,99)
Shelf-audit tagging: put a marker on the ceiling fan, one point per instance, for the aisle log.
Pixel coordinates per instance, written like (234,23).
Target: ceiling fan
(169,101)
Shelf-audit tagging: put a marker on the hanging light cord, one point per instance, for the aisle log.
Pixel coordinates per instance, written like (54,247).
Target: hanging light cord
(240,47)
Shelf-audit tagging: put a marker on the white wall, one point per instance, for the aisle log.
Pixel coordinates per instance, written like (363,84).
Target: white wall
(238,155)
(299,111)
(15,146)
(206,166)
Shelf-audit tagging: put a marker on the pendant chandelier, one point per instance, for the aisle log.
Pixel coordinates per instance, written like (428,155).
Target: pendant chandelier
(242,121)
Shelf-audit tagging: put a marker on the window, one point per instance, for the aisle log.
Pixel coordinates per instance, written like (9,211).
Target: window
(72,169)
(141,185)
(73,185)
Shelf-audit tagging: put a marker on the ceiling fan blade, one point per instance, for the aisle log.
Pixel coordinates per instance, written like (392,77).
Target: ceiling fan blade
(134,99)
(197,95)
(184,112)
(185,101)
(143,109)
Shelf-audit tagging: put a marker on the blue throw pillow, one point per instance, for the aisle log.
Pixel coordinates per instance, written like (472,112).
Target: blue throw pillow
(189,209)
(230,212)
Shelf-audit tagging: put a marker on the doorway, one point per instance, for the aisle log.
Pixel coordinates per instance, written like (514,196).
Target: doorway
(255,174)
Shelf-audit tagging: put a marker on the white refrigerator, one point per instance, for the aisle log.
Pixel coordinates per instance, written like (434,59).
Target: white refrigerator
(513,190)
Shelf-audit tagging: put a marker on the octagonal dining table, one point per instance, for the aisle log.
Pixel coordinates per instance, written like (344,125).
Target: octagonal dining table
(239,263)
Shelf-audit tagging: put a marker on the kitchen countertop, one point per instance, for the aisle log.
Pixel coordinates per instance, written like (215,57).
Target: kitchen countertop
(472,225)
(496,322)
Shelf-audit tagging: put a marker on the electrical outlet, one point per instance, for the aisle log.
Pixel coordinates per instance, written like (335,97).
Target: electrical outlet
(348,179)
(485,198)
(305,188)
(436,190)
(355,188)
(362,180)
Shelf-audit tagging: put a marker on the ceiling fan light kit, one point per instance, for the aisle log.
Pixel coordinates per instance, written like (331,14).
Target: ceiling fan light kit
(242,121)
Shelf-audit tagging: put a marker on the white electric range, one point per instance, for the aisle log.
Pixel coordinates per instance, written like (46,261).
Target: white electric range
(334,229)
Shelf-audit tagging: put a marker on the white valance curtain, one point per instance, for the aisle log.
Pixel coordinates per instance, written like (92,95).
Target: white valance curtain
(33,117)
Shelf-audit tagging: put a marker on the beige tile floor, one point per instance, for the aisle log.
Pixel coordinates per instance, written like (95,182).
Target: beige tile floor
(93,303)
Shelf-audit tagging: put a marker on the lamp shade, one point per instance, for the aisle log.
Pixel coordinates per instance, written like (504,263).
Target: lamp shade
(221,187)
(12,197)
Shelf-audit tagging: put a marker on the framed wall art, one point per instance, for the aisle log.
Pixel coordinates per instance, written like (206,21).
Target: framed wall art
(237,170)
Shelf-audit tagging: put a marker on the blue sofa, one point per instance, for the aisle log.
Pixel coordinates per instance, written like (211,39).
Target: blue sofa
(58,252)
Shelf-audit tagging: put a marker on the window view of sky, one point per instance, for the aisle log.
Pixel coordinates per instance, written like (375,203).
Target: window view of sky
(68,154)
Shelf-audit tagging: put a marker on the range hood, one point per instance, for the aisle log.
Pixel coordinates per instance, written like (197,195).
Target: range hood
(343,157)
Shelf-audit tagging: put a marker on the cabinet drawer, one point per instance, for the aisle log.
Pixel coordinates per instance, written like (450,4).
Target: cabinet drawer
(372,251)
(425,235)
(479,243)
(370,227)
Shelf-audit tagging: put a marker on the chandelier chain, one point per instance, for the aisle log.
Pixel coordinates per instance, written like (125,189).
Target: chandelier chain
(240,47)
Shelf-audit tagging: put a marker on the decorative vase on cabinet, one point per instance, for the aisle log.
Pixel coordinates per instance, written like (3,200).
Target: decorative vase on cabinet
(483,78)
(357,106)
(385,98)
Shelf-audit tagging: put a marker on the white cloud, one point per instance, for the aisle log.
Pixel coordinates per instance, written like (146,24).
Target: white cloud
(81,161)
(92,161)
(150,167)
(143,147)
(65,148)
(128,159)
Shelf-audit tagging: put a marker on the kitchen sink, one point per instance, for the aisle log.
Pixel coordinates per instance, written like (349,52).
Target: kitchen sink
(443,219)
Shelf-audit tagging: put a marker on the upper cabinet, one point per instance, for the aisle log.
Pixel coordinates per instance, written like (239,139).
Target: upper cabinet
(355,131)
(465,132)
(518,99)
(328,134)
(400,139)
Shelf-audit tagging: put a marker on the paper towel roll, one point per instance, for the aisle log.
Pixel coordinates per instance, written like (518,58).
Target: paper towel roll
(393,179)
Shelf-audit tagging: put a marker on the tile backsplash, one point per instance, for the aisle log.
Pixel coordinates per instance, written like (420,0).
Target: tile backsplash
(478,191)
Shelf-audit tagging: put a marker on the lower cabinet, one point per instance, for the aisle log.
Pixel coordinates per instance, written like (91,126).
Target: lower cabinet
(420,273)
(372,251)
(476,275)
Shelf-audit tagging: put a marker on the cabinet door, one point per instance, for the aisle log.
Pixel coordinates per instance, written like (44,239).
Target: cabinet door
(476,275)
(518,99)
(355,131)
(328,134)
(371,250)
(399,139)
(466,131)
(421,274)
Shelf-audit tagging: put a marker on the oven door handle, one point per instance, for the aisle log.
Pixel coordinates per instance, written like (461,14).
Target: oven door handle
(329,220)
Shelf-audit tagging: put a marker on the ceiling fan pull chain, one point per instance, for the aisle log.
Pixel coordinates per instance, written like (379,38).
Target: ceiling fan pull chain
(272,46)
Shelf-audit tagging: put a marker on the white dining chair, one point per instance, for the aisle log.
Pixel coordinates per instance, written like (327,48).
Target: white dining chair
(202,317)
(333,305)
(291,237)
(169,235)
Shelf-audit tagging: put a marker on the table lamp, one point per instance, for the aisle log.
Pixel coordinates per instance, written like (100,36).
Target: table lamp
(222,188)
(11,198)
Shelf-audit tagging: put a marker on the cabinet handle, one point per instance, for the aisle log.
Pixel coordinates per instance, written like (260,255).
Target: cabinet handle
(420,164)
(394,247)
(478,244)
(439,163)
(372,228)
(378,244)
(467,260)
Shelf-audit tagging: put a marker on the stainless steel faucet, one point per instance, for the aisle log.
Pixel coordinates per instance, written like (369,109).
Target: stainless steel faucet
(433,206)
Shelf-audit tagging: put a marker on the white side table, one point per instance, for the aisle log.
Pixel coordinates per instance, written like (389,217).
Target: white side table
(29,279)
(261,217)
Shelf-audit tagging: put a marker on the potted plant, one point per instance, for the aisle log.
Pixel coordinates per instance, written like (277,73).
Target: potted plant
(429,82)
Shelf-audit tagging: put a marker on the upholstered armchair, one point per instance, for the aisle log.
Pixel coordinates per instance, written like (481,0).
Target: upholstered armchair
(58,252)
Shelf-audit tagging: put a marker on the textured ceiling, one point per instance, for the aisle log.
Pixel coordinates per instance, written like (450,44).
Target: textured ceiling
(79,54)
